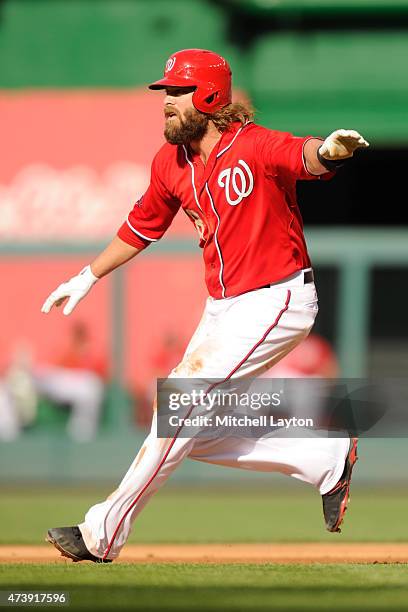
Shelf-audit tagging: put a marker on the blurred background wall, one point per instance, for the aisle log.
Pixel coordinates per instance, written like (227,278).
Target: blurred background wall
(78,131)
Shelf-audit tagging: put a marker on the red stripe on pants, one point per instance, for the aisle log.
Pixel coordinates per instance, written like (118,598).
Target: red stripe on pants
(157,470)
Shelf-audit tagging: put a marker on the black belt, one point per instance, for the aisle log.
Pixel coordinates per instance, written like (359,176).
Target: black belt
(308,277)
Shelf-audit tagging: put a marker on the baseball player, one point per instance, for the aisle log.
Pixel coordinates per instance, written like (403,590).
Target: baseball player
(236,181)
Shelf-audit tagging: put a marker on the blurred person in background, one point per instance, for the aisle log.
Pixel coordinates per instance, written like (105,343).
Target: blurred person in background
(9,418)
(312,358)
(18,395)
(76,378)
(169,352)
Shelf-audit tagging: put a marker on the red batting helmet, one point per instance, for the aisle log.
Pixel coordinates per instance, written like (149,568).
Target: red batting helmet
(208,72)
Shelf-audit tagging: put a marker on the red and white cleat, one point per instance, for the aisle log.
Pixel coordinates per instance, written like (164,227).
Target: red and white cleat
(335,501)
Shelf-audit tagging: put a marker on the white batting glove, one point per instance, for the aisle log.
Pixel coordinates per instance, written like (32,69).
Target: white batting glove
(75,289)
(342,144)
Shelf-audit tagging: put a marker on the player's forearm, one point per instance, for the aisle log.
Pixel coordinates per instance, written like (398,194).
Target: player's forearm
(116,253)
(76,288)
(311,160)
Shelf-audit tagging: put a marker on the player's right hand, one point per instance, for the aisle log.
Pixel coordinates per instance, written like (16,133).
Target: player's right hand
(74,290)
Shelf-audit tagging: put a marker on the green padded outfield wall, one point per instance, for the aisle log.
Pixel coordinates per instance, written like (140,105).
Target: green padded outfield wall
(312,7)
(333,79)
(309,81)
(100,43)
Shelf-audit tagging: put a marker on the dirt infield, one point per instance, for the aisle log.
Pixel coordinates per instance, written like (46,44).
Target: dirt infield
(230,553)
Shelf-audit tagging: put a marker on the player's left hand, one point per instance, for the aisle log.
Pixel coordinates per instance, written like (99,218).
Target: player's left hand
(342,144)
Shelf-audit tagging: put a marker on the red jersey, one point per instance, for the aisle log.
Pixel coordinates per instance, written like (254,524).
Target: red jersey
(242,202)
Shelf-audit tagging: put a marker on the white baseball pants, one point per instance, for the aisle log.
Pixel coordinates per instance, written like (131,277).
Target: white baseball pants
(237,337)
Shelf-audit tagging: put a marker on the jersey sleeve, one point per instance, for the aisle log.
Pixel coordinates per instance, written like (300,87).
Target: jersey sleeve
(283,154)
(152,214)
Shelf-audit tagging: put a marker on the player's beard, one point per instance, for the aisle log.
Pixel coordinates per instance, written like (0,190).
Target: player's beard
(182,131)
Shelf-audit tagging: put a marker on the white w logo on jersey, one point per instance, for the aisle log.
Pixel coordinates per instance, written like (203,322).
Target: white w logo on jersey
(229,179)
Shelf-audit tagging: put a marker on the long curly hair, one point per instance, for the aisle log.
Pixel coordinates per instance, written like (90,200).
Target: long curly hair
(236,111)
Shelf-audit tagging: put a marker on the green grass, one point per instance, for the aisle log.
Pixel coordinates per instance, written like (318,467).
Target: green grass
(193,515)
(218,587)
(247,514)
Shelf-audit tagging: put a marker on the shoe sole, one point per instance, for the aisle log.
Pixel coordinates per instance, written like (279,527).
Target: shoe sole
(351,458)
(49,538)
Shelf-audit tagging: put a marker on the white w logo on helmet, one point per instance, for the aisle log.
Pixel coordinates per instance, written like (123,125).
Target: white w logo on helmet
(170,63)
(242,187)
